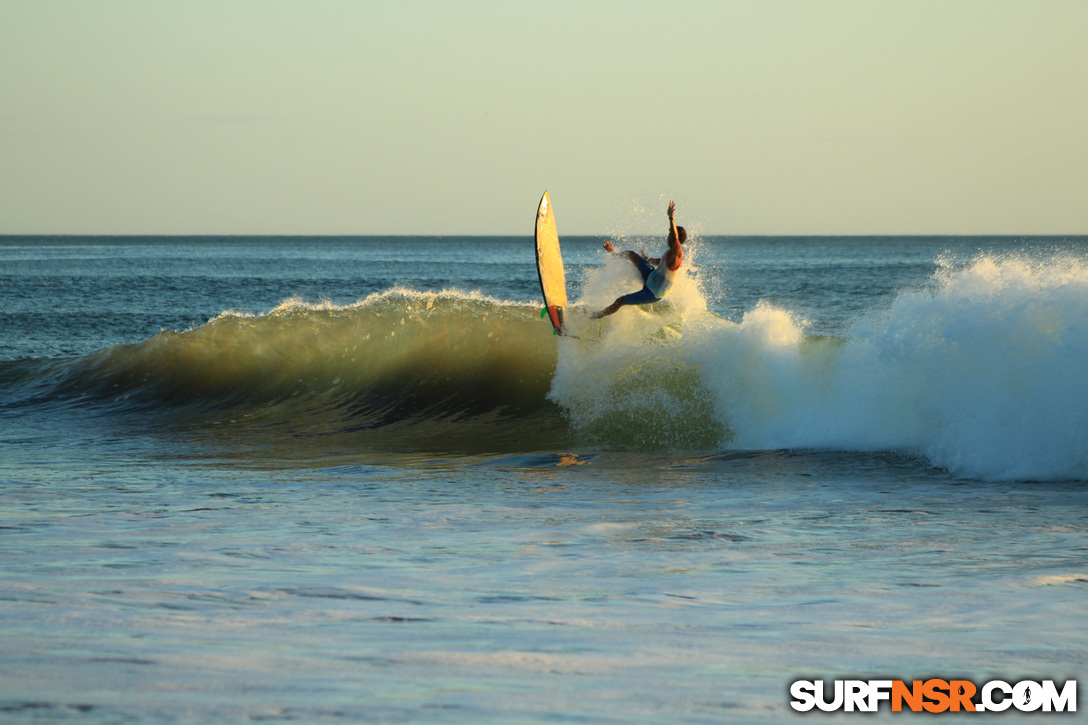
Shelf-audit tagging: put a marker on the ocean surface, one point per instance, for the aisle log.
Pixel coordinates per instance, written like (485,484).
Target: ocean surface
(360,480)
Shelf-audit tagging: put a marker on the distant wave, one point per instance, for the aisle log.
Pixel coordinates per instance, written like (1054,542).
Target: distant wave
(984,372)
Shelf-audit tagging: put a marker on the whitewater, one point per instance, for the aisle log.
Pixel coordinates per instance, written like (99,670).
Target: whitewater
(981,370)
(359,478)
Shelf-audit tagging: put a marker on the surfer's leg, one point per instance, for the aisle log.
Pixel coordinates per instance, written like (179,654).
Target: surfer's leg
(642,297)
(644,268)
(610,310)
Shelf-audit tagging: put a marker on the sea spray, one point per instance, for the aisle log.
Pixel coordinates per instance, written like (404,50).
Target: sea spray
(986,372)
(631,385)
(766,376)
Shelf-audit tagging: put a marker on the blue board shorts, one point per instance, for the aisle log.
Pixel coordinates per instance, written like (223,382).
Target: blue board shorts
(644,296)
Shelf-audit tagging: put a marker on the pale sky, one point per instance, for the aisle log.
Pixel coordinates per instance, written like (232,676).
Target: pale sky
(453,116)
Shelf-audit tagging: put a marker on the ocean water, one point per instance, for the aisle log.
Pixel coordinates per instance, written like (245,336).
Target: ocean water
(359,480)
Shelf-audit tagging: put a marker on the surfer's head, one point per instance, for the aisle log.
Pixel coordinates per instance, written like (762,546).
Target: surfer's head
(680,232)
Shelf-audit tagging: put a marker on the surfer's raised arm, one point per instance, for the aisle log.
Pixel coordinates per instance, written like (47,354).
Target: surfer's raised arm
(677,235)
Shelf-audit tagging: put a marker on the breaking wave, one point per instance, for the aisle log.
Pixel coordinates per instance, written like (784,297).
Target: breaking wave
(983,372)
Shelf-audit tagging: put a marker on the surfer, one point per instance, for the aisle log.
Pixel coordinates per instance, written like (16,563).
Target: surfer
(657,273)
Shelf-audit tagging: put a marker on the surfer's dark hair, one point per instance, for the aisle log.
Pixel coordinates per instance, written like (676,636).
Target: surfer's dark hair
(682,233)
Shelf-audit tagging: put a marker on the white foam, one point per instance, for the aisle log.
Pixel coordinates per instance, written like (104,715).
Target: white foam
(984,372)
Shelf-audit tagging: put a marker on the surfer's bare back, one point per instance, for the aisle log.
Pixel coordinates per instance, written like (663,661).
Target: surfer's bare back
(657,273)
